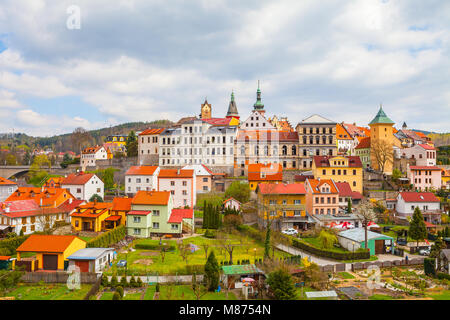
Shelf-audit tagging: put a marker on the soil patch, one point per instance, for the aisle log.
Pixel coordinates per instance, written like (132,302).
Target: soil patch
(145,262)
(149,253)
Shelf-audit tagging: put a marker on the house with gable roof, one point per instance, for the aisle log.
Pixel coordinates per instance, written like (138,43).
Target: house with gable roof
(322,197)
(83,185)
(90,155)
(427,202)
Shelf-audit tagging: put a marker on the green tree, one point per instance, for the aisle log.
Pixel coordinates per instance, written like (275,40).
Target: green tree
(327,239)
(267,240)
(132,145)
(96,197)
(9,279)
(281,285)
(396,174)
(349,205)
(212,274)
(11,160)
(239,191)
(417,227)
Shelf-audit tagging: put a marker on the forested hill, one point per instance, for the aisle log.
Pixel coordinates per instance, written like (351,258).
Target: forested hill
(61,143)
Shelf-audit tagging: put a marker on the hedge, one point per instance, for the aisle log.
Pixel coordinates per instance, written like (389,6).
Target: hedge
(108,238)
(358,255)
(442,276)
(8,246)
(146,246)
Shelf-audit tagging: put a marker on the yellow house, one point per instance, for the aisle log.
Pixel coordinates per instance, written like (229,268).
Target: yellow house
(340,169)
(91,216)
(51,250)
(282,202)
(382,141)
(259,173)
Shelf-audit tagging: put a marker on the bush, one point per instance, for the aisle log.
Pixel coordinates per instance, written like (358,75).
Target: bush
(114,282)
(157,287)
(429,265)
(124,282)
(147,246)
(108,238)
(442,276)
(139,282)
(116,296)
(105,282)
(209,234)
(10,244)
(119,290)
(357,255)
(133,282)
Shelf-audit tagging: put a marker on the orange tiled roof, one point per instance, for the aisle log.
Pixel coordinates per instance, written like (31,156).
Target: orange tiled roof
(92,209)
(46,243)
(282,188)
(151,131)
(151,197)
(342,133)
(122,204)
(4,181)
(141,170)
(273,172)
(364,143)
(316,184)
(174,173)
(48,195)
(80,178)
(89,150)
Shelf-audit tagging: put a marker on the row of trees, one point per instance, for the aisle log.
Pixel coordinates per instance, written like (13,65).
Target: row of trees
(212,218)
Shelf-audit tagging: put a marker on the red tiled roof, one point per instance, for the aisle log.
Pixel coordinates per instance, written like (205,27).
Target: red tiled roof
(429,225)
(46,243)
(151,131)
(419,197)
(122,204)
(113,218)
(427,147)
(5,258)
(324,161)
(138,213)
(4,181)
(229,199)
(48,195)
(218,121)
(273,172)
(207,169)
(90,150)
(19,205)
(424,168)
(346,191)
(282,188)
(178,215)
(151,197)
(174,173)
(342,133)
(68,207)
(364,143)
(141,170)
(79,178)
(316,184)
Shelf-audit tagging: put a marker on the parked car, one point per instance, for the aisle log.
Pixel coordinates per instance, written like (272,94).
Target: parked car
(424,252)
(290,231)
(122,263)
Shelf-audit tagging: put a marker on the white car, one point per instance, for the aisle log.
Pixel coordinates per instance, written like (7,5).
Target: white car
(290,231)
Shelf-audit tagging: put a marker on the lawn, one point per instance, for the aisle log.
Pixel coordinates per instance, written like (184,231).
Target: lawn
(48,292)
(346,275)
(132,296)
(150,262)
(381,297)
(150,293)
(184,292)
(107,296)
(316,243)
(445,295)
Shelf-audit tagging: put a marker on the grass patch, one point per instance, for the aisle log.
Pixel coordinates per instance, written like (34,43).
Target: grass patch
(445,295)
(346,275)
(48,292)
(132,296)
(107,296)
(150,292)
(316,243)
(184,292)
(381,297)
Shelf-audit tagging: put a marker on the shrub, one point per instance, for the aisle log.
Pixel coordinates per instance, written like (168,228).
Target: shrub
(124,281)
(119,290)
(209,234)
(105,281)
(157,287)
(139,282)
(147,246)
(429,266)
(114,282)
(133,282)
(116,296)
(106,239)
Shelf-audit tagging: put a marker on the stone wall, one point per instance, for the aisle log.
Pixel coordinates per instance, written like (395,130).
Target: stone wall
(382,195)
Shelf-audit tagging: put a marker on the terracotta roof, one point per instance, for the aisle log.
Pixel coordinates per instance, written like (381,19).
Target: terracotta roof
(315,184)
(48,195)
(273,172)
(207,169)
(46,243)
(364,143)
(5,258)
(419,197)
(229,199)
(92,209)
(178,215)
(79,178)
(282,188)
(4,181)
(427,147)
(90,150)
(342,133)
(324,161)
(151,197)
(113,218)
(151,131)
(174,173)
(67,206)
(141,170)
(122,204)
(18,205)
(424,168)
(346,191)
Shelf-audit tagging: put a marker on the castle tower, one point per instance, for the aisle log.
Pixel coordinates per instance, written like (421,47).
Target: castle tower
(381,141)
(205,111)
(232,108)
(259,106)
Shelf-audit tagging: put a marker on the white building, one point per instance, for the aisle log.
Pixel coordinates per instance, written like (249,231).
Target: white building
(90,155)
(141,178)
(7,188)
(83,185)
(91,259)
(408,201)
(198,141)
(148,146)
(424,154)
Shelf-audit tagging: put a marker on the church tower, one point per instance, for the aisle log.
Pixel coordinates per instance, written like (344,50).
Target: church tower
(205,111)
(259,106)
(232,108)
(382,142)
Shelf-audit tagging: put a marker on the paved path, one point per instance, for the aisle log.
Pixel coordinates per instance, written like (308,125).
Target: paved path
(163,279)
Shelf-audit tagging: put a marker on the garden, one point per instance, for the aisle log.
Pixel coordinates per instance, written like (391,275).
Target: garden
(46,291)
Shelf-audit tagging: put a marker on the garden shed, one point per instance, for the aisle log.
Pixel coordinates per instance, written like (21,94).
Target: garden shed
(91,259)
(353,239)
(234,274)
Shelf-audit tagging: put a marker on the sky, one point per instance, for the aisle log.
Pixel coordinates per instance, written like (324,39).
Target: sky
(144,60)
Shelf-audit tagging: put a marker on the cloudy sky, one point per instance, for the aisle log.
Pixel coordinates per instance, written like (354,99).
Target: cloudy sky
(134,60)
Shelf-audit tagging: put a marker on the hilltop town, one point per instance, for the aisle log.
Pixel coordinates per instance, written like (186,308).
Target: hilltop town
(224,206)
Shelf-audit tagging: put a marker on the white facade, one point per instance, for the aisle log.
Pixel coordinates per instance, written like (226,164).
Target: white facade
(88,159)
(6,191)
(98,258)
(85,191)
(256,121)
(197,142)
(134,183)
(407,208)
(424,156)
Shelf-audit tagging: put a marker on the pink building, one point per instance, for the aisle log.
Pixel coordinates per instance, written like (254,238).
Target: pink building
(322,197)
(424,178)
(203,177)
(424,154)
(181,184)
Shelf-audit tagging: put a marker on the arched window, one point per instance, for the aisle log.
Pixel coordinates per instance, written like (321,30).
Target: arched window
(256,150)
(294,150)
(266,150)
(284,150)
(242,150)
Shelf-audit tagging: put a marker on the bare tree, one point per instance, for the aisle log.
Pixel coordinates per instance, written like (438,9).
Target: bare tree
(228,245)
(198,289)
(366,213)
(383,153)
(162,253)
(183,250)
(205,247)
(45,221)
(80,138)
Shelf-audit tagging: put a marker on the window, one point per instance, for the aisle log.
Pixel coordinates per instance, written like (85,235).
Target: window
(137,219)
(138,180)
(172,183)
(174,226)
(297,202)
(136,231)
(156,213)
(324,171)
(155,225)
(184,183)
(184,193)
(78,190)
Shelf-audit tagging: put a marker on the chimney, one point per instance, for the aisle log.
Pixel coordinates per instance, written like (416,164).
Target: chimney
(70,200)
(95,201)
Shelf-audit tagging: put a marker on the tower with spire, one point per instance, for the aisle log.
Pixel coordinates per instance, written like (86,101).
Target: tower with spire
(205,111)
(259,106)
(232,108)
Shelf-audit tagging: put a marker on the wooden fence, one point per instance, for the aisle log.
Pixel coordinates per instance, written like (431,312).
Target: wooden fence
(58,277)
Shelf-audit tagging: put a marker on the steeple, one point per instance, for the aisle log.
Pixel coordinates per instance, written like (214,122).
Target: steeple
(258,104)
(381,117)
(205,110)
(232,108)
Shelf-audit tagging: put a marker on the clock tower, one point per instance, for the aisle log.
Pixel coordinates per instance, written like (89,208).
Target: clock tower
(205,110)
